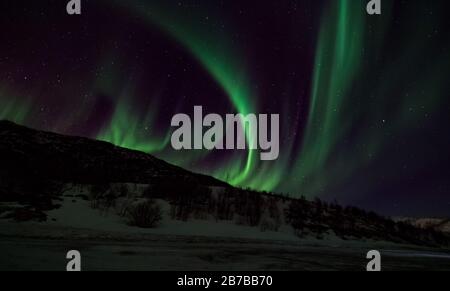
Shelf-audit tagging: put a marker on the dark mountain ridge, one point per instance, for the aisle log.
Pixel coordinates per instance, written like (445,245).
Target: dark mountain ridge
(28,153)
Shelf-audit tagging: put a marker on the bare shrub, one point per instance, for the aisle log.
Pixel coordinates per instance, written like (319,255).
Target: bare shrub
(98,190)
(97,193)
(145,214)
(123,205)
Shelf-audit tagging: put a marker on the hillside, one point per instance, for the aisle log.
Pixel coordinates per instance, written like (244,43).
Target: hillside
(438,224)
(42,172)
(27,153)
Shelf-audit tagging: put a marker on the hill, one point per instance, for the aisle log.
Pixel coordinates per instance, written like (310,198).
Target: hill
(40,171)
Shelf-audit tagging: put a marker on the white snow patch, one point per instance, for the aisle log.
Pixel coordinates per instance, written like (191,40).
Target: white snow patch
(80,215)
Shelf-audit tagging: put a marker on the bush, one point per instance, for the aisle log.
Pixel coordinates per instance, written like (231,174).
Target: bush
(123,205)
(102,197)
(98,190)
(146,214)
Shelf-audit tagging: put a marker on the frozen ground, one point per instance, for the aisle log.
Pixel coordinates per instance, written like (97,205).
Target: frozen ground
(206,254)
(107,243)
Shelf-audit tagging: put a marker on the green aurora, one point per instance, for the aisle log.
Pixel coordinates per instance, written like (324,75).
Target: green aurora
(341,32)
(218,58)
(348,128)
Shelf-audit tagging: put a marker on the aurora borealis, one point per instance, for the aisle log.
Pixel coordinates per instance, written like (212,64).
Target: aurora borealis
(363,100)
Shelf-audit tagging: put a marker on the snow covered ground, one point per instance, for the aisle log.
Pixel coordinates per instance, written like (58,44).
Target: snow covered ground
(106,242)
(185,253)
(79,215)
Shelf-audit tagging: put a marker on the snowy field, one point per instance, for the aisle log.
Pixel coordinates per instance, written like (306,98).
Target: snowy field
(207,254)
(107,243)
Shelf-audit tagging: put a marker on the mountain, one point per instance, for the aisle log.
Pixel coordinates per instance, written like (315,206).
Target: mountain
(27,153)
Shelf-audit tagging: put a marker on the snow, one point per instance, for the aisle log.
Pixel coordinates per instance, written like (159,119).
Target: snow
(75,218)
(106,242)
(77,213)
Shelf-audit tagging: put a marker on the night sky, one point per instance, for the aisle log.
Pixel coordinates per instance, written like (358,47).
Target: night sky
(363,100)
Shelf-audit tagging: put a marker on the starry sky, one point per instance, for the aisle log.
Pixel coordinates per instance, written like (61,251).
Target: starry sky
(363,100)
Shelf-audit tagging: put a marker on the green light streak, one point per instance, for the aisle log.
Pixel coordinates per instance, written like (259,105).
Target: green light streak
(361,105)
(127,128)
(13,108)
(218,58)
(126,131)
(337,63)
